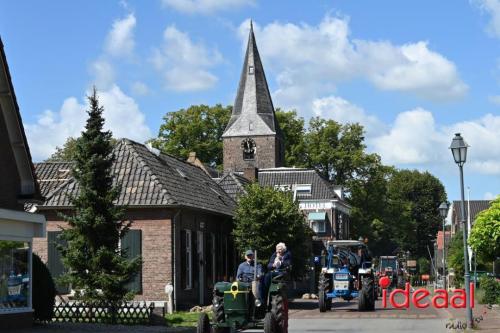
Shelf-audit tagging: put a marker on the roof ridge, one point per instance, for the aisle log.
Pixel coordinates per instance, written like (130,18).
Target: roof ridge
(130,145)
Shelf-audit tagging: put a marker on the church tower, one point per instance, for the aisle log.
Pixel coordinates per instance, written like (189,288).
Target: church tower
(252,138)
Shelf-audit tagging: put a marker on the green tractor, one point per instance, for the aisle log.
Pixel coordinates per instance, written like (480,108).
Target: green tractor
(236,306)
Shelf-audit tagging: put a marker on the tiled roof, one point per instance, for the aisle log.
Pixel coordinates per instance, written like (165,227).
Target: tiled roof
(476,207)
(253,111)
(148,179)
(233,183)
(320,187)
(51,175)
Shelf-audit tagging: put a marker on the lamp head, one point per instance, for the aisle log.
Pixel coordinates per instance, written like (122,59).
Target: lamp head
(459,149)
(443,209)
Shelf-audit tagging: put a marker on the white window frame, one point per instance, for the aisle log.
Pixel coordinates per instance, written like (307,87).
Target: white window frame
(189,261)
(318,223)
(303,189)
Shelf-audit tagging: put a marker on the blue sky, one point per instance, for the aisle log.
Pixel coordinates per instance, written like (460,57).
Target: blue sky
(413,73)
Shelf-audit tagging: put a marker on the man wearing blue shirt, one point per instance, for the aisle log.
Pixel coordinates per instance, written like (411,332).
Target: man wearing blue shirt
(246,270)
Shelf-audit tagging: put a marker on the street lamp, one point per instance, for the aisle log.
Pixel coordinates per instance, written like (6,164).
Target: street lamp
(459,150)
(443,211)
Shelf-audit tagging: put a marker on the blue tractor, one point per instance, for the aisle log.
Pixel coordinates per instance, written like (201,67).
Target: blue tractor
(347,273)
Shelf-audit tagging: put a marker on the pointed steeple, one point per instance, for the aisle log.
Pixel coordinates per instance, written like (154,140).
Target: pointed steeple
(253,111)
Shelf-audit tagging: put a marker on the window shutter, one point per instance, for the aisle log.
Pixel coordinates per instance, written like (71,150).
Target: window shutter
(132,244)
(54,261)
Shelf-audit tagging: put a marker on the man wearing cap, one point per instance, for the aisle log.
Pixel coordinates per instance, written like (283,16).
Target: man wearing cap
(246,270)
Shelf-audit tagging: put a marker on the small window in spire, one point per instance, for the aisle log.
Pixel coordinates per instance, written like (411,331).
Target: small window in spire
(250,70)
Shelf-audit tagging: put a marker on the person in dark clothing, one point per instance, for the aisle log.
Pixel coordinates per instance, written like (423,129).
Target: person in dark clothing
(280,262)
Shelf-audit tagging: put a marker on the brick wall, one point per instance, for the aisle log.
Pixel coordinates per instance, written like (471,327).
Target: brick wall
(155,225)
(268,153)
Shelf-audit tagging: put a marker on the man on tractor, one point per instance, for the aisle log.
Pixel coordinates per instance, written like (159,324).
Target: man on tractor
(246,270)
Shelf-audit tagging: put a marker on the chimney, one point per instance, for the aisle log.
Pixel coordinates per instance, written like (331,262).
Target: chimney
(252,174)
(192,157)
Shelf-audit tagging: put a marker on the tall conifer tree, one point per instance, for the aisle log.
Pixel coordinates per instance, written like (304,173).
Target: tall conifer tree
(97,269)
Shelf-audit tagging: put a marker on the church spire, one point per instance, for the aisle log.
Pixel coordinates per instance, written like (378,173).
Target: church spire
(253,111)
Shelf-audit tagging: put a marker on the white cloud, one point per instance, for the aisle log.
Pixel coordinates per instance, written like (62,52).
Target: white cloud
(313,59)
(414,68)
(343,111)
(120,40)
(53,128)
(484,139)
(495,99)
(416,139)
(103,73)
(140,88)
(206,6)
(184,64)
(413,139)
(491,7)
(489,196)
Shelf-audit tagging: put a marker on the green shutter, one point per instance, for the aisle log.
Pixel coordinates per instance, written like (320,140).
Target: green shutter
(54,261)
(132,244)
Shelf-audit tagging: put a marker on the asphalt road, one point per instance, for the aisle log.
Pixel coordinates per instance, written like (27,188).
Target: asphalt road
(345,317)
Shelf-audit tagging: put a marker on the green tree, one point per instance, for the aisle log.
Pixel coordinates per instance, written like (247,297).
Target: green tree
(455,258)
(415,197)
(485,233)
(68,151)
(292,127)
(97,269)
(336,150)
(265,216)
(198,128)
(424,266)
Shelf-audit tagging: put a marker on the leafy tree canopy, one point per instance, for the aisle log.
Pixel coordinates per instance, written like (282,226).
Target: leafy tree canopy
(485,234)
(198,128)
(92,257)
(264,217)
(415,197)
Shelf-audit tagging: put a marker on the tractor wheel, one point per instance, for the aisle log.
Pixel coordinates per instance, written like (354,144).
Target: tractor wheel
(279,309)
(269,323)
(401,282)
(323,288)
(218,308)
(366,298)
(203,324)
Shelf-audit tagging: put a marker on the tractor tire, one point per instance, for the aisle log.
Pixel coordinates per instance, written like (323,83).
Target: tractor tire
(279,309)
(203,324)
(401,282)
(366,298)
(323,289)
(218,308)
(269,323)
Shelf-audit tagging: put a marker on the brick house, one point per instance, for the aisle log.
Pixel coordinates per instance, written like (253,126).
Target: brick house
(18,186)
(181,222)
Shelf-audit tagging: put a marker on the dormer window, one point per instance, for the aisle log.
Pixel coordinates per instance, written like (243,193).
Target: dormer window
(249,147)
(251,70)
(304,189)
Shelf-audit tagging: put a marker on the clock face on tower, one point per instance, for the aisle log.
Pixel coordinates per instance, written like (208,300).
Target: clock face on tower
(248,146)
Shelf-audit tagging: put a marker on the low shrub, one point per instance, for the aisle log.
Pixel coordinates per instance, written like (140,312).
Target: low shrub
(491,288)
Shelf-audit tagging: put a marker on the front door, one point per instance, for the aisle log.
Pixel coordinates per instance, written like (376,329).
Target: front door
(201,268)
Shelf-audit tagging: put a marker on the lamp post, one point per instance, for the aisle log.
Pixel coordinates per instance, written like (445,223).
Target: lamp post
(459,150)
(443,211)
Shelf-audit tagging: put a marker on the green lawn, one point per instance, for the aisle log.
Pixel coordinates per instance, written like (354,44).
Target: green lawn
(182,318)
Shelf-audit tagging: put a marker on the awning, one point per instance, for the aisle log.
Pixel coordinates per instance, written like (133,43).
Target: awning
(317,216)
